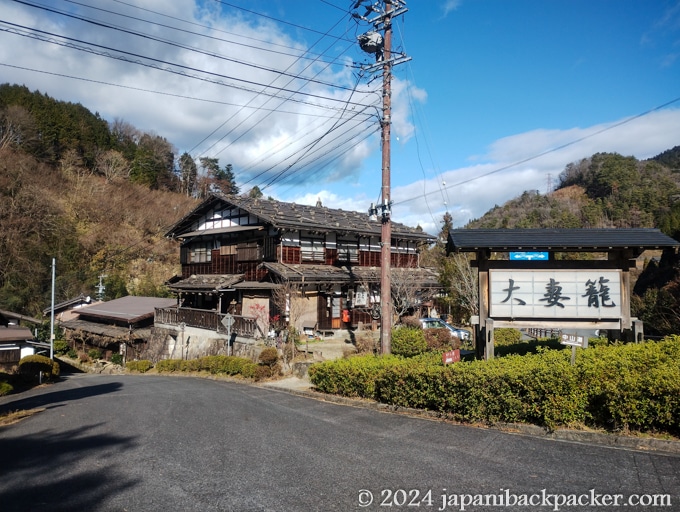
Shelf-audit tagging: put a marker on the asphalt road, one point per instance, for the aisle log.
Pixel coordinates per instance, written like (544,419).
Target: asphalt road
(152,443)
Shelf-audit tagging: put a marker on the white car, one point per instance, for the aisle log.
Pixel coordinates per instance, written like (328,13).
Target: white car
(438,323)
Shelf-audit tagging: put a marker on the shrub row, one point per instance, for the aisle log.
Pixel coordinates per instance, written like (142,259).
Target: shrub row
(5,388)
(625,387)
(356,376)
(227,365)
(31,366)
(141,366)
(224,365)
(411,341)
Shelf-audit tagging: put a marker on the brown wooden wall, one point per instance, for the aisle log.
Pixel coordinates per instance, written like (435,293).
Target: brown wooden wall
(230,264)
(224,264)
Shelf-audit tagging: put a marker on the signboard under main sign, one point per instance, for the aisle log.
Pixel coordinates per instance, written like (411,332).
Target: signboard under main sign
(575,294)
(529,256)
(574,340)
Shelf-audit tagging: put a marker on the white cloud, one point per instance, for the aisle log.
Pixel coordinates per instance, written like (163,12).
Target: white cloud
(450,6)
(252,138)
(511,169)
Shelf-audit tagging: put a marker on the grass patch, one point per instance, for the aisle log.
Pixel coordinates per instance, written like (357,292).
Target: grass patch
(15,417)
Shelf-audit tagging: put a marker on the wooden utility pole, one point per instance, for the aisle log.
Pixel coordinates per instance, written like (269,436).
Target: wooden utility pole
(386,218)
(382,46)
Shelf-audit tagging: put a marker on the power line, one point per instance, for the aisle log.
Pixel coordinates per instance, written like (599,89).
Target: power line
(162,93)
(207,27)
(274,19)
(283,100)
(287,174)
(41,35)
(547,152)
(336,154)
(178,45)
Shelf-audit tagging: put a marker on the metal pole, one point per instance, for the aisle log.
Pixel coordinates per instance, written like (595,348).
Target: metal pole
(386,232)
(54,266)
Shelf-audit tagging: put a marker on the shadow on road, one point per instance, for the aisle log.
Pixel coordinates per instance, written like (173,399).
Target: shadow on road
(45,471)
(66,368)
(54,397)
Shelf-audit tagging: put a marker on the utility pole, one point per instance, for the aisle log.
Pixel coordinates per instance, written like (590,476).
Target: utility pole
(386,233)
(373,42)
(54,271)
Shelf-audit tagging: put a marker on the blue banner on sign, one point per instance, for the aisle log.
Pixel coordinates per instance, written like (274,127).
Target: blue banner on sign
(529,256)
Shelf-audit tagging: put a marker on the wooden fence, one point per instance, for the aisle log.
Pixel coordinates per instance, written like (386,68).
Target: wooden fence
(245,326)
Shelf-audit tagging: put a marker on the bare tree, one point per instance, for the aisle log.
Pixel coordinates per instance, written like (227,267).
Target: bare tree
(72,164)
(112,165)
(407,288)
(124,133)
(17,128)
(287,298)
(460,279)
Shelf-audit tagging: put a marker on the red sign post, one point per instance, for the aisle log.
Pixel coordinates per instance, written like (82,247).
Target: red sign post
(452,356)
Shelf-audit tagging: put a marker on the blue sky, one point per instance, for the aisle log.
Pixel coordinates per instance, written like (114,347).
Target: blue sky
(498,98)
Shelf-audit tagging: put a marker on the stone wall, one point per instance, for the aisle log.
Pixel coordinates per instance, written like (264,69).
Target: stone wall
(192,343)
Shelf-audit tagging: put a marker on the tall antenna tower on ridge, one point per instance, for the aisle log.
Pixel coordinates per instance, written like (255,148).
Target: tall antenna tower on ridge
(378,41)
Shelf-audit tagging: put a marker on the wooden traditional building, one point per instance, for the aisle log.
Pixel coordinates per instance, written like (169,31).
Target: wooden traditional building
(17,341)
(236,252)
(118,326)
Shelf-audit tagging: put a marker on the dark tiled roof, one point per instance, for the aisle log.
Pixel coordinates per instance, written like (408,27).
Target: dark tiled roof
(315,274)
(213,283)
(568,240)
(207,282)
(79,300)
(115,332)
(15,333)
(291,216)
(130,309)
(6,316)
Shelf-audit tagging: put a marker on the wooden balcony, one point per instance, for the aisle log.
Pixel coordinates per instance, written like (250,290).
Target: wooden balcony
(244,326)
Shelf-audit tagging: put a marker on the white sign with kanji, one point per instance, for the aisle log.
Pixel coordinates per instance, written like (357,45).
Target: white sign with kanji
(582,294)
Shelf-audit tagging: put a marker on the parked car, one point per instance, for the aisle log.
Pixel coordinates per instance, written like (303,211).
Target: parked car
(438,323)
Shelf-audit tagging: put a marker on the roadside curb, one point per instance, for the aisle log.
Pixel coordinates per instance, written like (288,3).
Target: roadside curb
(561,434)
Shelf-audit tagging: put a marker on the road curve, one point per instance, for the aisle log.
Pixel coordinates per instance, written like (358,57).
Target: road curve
(156,443)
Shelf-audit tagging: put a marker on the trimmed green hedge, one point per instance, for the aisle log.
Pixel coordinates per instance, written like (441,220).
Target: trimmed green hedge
(506,336)
(5,388)
(141,366)
(225,365)
(408,341)
(229,365)
(629,387)
(31,366)
(354,377)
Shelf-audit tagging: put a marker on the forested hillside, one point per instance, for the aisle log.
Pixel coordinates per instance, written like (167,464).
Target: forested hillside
(97,196)
(91,226)
(72,188)
(70,137)
(603,191)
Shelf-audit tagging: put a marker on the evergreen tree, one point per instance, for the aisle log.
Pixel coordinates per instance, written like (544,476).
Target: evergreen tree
(188,174)
(153,163)
(255,192)
(216,180)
